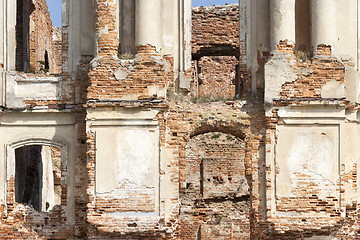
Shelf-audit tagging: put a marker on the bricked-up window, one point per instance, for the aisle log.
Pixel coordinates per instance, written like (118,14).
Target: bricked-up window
(24,8)
(302,25)
(38,176)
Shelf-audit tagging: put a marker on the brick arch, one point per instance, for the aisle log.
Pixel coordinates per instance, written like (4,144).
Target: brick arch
(237,129)
(234,128)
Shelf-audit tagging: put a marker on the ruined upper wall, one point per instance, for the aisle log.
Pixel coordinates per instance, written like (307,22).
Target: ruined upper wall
(33,37)
(57,39)
(215,31)
(41,37)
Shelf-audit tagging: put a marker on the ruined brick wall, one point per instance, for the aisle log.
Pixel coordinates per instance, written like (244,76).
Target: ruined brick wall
(41,40)
(119,84)
(215,30)
(315,205)
(25,222)
(57,39)
(195,124)
(216,203)
(229,203)
(217,77)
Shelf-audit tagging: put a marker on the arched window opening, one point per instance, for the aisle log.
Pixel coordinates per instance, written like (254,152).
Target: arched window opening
(38,176)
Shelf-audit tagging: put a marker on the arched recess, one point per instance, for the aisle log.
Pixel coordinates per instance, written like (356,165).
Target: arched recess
(215,193)
(235,128)
(238,129)
(64,147)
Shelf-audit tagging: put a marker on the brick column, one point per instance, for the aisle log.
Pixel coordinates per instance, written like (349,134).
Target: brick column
(105,27)
(282,22)
(323,31)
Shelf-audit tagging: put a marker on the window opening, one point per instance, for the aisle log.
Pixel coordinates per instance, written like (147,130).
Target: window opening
(302,25)
(24,9)
(38,176)
(46,57)
(54,7)
(38,42)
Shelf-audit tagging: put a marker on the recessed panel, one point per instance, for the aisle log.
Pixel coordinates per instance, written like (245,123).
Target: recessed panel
(127,168)
(307,168)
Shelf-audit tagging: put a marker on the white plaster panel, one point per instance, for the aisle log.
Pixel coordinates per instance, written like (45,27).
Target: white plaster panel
(333,89)
(47,184)
(147,24)
(323,19)
(321,111)
(20,87)
(134,158)
(282,21)
(10,6)
(307,150)
(167,25)
(40,91)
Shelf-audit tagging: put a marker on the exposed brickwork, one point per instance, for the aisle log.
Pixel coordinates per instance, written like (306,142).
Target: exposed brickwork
(215,31)
(319,72)
(146,70)
(312,74)
(217,77)
(215,175)
(309,214)
(57,49)
(215,187)
(43,42)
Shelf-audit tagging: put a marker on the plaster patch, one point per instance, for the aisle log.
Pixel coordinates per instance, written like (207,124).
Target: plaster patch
(120,74)
(155,90)
(277,72)
(130,97)
(333,89)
